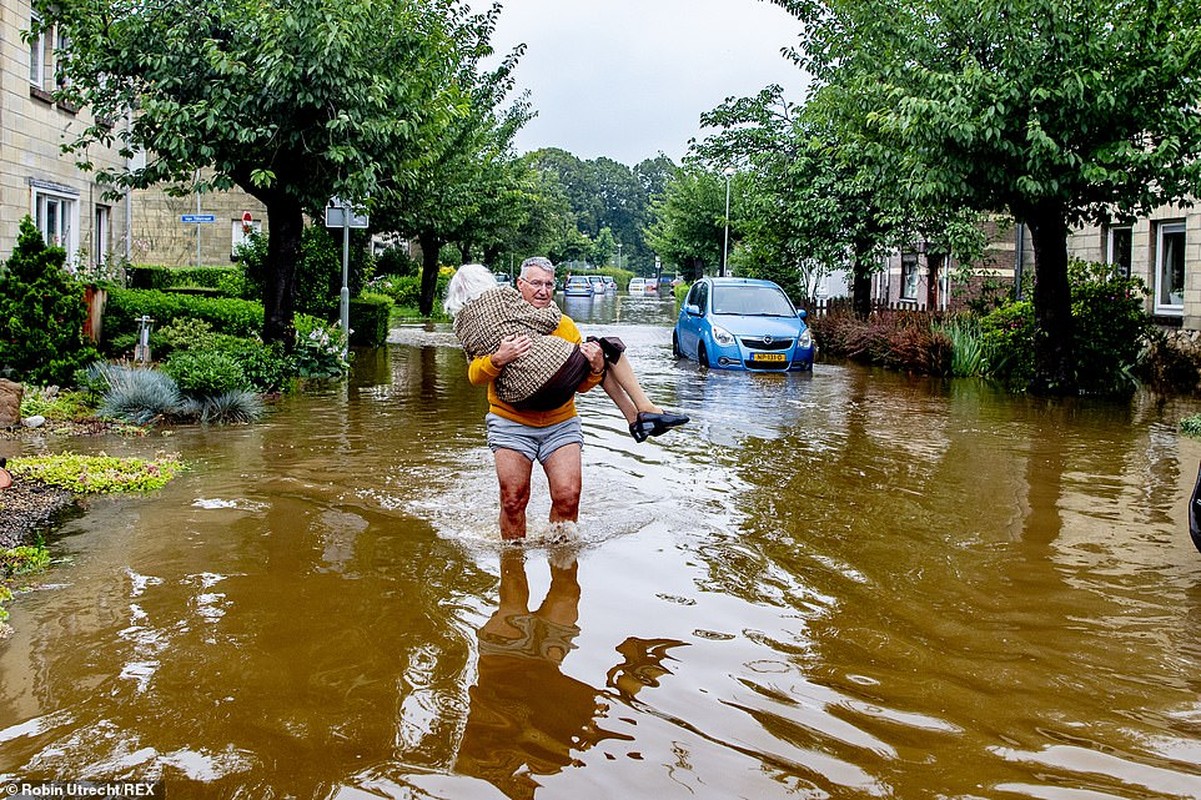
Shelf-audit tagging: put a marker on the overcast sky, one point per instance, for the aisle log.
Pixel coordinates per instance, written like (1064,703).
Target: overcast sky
(630,78)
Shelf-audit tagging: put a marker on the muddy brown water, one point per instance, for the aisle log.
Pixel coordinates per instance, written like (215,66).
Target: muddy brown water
(851,584)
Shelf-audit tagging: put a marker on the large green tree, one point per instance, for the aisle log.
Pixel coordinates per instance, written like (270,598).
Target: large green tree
(687,226)
(293,101)
(458,189)
(1058,111)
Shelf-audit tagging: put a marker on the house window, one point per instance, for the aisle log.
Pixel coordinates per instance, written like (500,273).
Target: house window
(57,217)
(1169,268)
(61,42)
(909,276)
(101,234)
(1118,248)
(39,55)
(241,231)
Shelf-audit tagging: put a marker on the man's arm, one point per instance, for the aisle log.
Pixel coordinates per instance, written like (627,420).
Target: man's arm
(486,369)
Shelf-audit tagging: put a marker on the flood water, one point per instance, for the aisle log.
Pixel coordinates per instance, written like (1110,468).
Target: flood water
(853,584)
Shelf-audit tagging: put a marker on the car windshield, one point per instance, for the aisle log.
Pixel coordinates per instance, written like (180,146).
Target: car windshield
(754,301)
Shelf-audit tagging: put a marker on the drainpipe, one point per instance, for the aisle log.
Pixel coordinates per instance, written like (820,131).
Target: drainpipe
(128,201)
(1019,237)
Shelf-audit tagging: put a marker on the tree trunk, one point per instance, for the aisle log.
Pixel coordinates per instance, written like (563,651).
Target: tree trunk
(279,283)
(1054,357)
(861,283)
(491,257)
(430,245)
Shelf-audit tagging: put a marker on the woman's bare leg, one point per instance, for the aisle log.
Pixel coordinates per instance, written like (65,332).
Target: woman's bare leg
(621,384)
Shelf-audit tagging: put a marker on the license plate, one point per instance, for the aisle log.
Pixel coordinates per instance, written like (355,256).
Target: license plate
(768,357)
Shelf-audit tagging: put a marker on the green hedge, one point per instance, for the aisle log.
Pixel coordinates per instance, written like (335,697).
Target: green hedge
(227,315)
(369,319)
(160,277)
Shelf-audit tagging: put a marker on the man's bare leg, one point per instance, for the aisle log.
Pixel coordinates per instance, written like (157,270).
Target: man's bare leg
(563,475)
(513,474)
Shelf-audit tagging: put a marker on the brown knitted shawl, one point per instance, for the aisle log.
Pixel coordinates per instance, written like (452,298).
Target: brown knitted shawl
(501,312)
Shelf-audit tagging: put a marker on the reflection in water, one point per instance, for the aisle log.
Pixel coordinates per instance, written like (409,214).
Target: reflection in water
(527,718)
(853,584)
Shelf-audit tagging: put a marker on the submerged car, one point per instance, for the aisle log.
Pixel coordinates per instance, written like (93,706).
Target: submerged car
(578,286)
(637,286)
(742,323)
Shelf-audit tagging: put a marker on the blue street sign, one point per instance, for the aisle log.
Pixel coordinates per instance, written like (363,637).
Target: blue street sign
(197,218)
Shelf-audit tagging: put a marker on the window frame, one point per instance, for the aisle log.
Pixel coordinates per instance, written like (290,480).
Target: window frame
(1111,246)
(910,277)
(39,62)
(1162,231)
(66,204)
(102,231)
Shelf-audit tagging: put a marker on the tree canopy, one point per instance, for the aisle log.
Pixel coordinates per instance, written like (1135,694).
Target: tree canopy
(1056,112)
(293,102)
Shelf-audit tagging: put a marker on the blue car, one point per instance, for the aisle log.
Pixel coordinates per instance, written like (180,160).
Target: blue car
(742,323)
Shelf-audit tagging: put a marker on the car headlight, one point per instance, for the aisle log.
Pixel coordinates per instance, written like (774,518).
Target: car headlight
(806,339)
(722,336)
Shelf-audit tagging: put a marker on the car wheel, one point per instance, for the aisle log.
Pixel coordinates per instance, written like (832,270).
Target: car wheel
(701,355)
(676,352)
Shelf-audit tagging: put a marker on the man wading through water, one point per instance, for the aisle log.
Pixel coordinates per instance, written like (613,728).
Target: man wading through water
(521,432)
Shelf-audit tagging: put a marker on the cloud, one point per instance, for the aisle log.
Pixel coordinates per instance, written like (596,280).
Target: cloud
(628,79)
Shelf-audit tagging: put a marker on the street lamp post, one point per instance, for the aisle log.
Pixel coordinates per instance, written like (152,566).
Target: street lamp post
(725,251)
(619,255)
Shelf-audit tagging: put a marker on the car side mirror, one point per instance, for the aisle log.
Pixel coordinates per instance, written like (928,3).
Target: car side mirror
(802,313)
(692,310)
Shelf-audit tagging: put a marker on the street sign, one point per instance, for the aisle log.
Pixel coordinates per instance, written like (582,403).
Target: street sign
(197,218)
(247,218)
(335,215)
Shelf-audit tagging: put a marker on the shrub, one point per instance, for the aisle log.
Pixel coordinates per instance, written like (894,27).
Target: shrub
(205,373)
(1191,426)
(318,271)
(42,314)
(161,277)
(396,261)
(232,408)
(53,404)
(267,368)
(369,319)
(405,291)
(319,347)
(125,306)
(1110,328)
(1007,336)
(899,340)
(136,395)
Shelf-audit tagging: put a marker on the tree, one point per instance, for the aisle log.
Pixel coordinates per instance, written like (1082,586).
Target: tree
(293,102)
(818,202)
(450,193)
(687,227)
(1057,112)
(42,314)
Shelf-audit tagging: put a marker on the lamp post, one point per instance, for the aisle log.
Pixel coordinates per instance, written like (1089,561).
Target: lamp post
(619,255)
(725,251)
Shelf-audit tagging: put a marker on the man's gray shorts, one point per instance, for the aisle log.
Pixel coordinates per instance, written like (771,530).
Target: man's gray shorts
(536,444)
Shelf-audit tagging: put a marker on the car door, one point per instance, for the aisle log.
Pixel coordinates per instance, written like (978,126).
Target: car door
(690,325)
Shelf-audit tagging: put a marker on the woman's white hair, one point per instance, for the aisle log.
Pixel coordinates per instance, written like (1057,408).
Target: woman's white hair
(468,283)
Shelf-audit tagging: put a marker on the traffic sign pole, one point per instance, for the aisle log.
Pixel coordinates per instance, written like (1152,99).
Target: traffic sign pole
(344,316)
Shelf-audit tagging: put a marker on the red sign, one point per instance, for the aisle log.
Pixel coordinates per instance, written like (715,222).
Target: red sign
(247,218)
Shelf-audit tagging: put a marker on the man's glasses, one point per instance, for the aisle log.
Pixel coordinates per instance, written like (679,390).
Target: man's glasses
(540,284)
